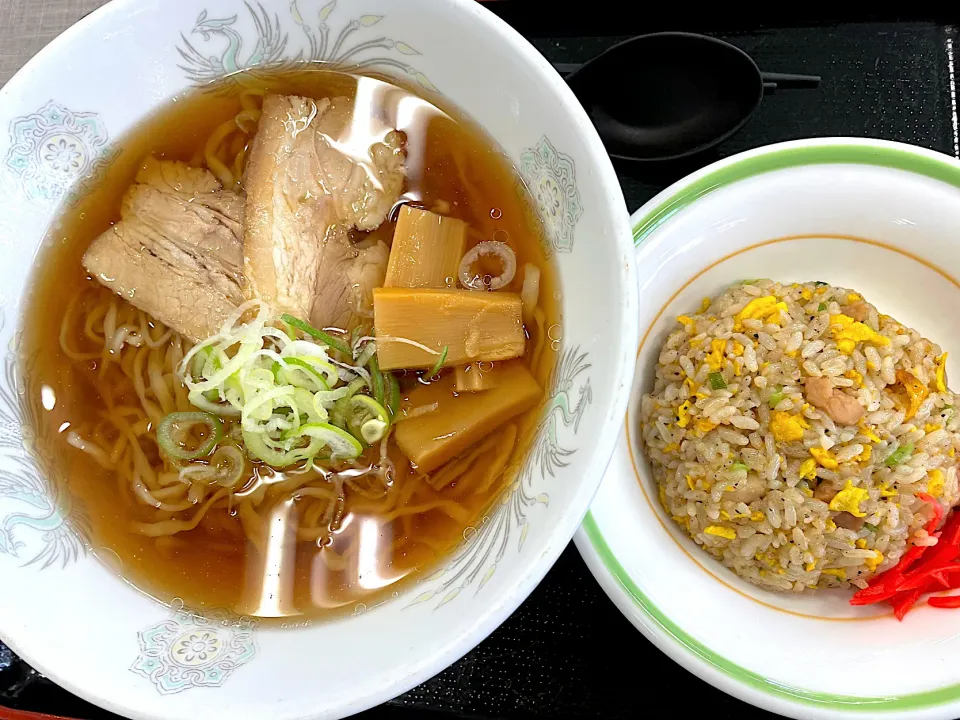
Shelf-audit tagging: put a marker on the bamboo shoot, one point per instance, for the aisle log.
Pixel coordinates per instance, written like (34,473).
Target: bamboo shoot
(460,421)
(426,250)
(471,325)
(476,377)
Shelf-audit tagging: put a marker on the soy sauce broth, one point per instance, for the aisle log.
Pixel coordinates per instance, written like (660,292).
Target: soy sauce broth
(215,565)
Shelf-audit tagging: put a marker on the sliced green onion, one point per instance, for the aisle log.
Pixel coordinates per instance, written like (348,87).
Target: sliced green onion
(206,355)
(249,342)
(338,414)
(200,400)
(739,466)
(225,468)
(440,361)
(899,455)
(262,406)
(326,369)
(297,366)
(257,445)
(776,398)
(329,400)
(716,381)
(325,338)
(821,307)
(313,411)
(870,527)
(341,443)
(819,283)
(376,379)
(278,384)
(366,419)
(199,360)
(259,378)
(174,429)
(373,431)
(368,351)
(393,394)
(233,389)
(355,386)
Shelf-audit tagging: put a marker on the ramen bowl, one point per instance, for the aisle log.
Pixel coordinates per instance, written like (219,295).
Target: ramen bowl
(878,218)
(64,608)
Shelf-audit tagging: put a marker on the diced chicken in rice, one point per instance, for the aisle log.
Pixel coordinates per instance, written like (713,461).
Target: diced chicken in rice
(842,408)
(858,310)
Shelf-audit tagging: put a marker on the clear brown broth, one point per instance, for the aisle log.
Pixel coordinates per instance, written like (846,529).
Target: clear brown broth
(214,566)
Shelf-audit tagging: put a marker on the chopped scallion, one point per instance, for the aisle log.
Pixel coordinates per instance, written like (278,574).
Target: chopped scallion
(301,373)
(739,466)
(341,444)
(393,394)
(366,419)
(899,455)
(225,468)
(338,413)
(376,379)
(174,434)
(440,361)
(256,445)
(870,527)
(716,381)
(776,398)
(282,390)
(821,307)
(326,338)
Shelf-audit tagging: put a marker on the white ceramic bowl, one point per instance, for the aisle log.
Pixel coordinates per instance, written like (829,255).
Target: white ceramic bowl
(77,622)
(878,217)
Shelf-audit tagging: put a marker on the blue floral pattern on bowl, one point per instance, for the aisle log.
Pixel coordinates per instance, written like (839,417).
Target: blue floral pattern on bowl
(551,179)
(54,152)
(224,48)
(191,649)
(477,558)
(41,523)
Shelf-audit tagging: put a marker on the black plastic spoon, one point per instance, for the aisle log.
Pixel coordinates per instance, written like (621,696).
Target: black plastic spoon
(669,95)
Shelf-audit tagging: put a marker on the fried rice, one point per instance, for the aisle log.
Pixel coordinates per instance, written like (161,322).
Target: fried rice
(799,436)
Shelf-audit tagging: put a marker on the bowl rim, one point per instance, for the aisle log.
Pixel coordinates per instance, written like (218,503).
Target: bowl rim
(654,622)
(565,523)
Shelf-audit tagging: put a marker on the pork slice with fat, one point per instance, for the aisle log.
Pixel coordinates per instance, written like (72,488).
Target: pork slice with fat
(308,183)
(177,251)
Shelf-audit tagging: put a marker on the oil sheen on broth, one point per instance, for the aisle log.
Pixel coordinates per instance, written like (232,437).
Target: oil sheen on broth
(312,537)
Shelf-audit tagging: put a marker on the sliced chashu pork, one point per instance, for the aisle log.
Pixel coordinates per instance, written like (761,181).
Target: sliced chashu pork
(177,252)
(308,184)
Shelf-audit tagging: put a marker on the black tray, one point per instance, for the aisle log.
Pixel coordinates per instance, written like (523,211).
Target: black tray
(567,652)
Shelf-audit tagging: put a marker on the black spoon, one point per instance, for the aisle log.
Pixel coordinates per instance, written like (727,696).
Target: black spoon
(669,95)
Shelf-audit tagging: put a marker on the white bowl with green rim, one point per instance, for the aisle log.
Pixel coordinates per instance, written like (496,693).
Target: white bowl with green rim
(882,218)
